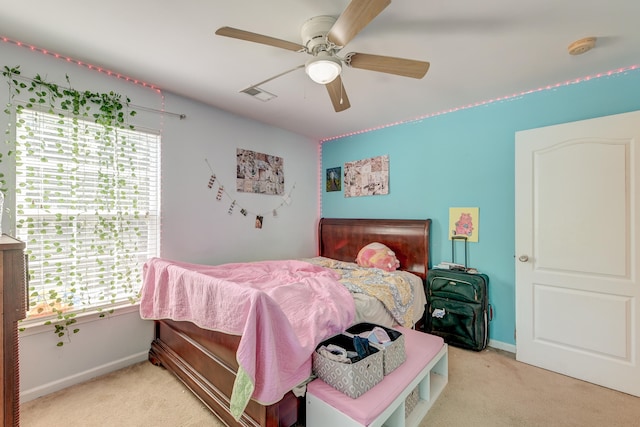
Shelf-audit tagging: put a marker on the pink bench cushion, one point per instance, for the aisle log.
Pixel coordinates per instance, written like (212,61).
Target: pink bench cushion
(420,349)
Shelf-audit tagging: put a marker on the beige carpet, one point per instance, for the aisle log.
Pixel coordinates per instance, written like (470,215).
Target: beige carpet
(488,388)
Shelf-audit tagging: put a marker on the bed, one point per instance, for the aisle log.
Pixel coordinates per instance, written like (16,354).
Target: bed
(205,360)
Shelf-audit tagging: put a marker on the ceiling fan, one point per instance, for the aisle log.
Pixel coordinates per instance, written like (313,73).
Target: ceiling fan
(323,37)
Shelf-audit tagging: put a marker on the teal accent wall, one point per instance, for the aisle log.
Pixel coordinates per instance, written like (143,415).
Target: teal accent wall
(466,159)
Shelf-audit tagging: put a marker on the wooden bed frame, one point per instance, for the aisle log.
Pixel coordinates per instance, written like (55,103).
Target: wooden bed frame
(205,360)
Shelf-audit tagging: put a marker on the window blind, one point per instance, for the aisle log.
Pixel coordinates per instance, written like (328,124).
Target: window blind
(87,206)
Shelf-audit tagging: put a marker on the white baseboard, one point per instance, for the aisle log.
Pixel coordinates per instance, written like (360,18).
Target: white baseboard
(511,348)
(42,390)
(34,393)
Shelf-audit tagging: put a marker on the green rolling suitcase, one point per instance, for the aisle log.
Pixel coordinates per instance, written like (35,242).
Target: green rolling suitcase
(458,305)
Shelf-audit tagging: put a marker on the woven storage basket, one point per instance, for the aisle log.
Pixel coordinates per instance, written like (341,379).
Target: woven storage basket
(394,354)
(411,401)
(352,379)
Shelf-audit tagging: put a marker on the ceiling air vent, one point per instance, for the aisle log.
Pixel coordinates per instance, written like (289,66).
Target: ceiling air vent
(258,93)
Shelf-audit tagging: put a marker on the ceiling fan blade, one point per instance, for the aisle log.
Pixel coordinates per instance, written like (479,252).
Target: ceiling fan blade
(259,38)
(337,94)
(354,18)
(388,64)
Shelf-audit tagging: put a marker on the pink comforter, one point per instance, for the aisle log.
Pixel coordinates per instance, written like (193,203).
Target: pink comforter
(282,310)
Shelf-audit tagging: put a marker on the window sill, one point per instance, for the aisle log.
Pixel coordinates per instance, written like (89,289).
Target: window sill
(38,326)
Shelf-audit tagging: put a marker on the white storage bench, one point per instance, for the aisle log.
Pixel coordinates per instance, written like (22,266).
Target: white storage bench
(425,371)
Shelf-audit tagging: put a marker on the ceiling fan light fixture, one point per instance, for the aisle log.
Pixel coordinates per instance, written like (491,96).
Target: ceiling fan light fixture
(323,69)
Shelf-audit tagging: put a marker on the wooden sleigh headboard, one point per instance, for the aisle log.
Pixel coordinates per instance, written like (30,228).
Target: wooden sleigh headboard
(342,239)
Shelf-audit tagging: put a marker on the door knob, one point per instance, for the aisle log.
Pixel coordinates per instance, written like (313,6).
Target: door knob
(523,258)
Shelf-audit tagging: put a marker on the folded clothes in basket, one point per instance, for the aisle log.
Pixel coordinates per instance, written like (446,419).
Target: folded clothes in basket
(362,346)
(336,353)
(377,335)
(340,354)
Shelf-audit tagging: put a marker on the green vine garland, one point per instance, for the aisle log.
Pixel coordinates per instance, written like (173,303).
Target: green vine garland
(109,111)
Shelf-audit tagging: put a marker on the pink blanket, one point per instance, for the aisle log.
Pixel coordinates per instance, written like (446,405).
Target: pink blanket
(282,310)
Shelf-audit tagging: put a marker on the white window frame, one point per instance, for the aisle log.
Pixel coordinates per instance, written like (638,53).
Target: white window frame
(73,267)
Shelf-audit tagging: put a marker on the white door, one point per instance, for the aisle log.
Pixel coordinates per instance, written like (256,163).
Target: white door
(578,249)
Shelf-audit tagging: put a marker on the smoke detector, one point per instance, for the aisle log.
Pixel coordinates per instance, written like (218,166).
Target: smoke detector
(581,46)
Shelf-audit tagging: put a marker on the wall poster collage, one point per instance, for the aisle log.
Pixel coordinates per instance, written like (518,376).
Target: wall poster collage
(259,173)
(255,173)
(367,177)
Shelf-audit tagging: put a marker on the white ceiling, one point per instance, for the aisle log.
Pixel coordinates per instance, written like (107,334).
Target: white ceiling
(478,50)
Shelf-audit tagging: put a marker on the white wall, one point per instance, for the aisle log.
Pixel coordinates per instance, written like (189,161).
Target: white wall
(100,347)
(195,227)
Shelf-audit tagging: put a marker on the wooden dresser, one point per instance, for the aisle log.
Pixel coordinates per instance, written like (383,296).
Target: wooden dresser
(12,294)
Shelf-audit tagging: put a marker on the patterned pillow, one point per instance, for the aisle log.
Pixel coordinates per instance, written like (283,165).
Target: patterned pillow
(379,256)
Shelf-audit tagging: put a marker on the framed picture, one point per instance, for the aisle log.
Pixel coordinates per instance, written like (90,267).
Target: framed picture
(334,179)
(464,222)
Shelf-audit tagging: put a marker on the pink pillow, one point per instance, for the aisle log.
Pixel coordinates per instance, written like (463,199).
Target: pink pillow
(377,255)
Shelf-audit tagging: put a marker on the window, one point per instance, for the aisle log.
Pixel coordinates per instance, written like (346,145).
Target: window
(87,206)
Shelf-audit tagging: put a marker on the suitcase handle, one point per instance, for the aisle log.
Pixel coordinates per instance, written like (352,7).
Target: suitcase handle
(453,249)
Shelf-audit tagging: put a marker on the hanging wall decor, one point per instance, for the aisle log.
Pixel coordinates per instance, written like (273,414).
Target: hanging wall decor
(368,177)
(334,179)
(221,193)
(259,173)
(464,222)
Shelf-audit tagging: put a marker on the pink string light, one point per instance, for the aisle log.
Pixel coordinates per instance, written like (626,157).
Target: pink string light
(384,126)
(319,181)
(480,103)
(82,64)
